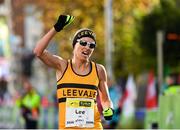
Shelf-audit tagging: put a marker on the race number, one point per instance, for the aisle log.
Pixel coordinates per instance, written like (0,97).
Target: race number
(79,112)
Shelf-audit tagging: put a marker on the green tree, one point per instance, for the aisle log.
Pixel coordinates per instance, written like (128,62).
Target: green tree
(165,17)
(128,53)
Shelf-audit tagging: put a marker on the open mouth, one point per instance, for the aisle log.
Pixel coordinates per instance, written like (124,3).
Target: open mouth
(85,53)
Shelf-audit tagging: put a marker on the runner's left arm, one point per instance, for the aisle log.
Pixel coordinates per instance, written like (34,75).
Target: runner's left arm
(104,93)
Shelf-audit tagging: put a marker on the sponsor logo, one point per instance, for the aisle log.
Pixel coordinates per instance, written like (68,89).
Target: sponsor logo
(85,103)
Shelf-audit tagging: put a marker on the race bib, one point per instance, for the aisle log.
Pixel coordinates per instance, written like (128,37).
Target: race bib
(79,112)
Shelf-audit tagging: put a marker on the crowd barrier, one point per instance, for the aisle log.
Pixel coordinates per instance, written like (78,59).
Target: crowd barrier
(10,118)
(167,115)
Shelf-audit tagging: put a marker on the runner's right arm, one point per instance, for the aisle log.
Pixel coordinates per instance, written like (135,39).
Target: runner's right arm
(40,49)
(41,52)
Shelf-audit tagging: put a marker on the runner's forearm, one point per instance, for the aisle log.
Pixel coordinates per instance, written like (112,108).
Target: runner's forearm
(43,42)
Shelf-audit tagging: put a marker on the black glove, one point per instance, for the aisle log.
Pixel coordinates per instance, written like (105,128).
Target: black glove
(63,21)
(108,113)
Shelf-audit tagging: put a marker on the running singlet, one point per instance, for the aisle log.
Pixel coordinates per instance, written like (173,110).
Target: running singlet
(77,99)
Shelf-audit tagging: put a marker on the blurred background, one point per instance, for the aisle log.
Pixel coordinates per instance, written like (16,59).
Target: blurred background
(138,41)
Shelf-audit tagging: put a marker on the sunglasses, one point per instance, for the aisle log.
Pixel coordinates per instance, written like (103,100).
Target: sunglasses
(91,45)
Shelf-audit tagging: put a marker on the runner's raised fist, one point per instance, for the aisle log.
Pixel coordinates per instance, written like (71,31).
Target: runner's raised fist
(63,21)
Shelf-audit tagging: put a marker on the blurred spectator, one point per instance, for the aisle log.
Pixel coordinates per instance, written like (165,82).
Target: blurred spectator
(173,87)
(115,95)
(3,88)
(178,79)
(45,105)
(27,58)
(29,103)
(55,111)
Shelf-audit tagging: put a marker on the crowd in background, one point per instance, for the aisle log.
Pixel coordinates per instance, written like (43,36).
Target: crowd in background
(32,109)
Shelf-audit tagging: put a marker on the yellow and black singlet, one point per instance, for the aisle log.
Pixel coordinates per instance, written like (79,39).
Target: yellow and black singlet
(77,99)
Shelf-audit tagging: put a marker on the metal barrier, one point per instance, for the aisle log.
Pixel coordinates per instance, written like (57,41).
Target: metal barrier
(10,117)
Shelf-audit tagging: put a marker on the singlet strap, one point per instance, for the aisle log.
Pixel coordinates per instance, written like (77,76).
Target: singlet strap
(81,74)
(64,71)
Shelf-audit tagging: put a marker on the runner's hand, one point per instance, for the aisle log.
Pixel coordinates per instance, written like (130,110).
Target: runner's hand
(108,113)
(63,21)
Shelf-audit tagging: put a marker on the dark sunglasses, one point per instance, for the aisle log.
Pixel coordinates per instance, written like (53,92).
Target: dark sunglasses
(91,45)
